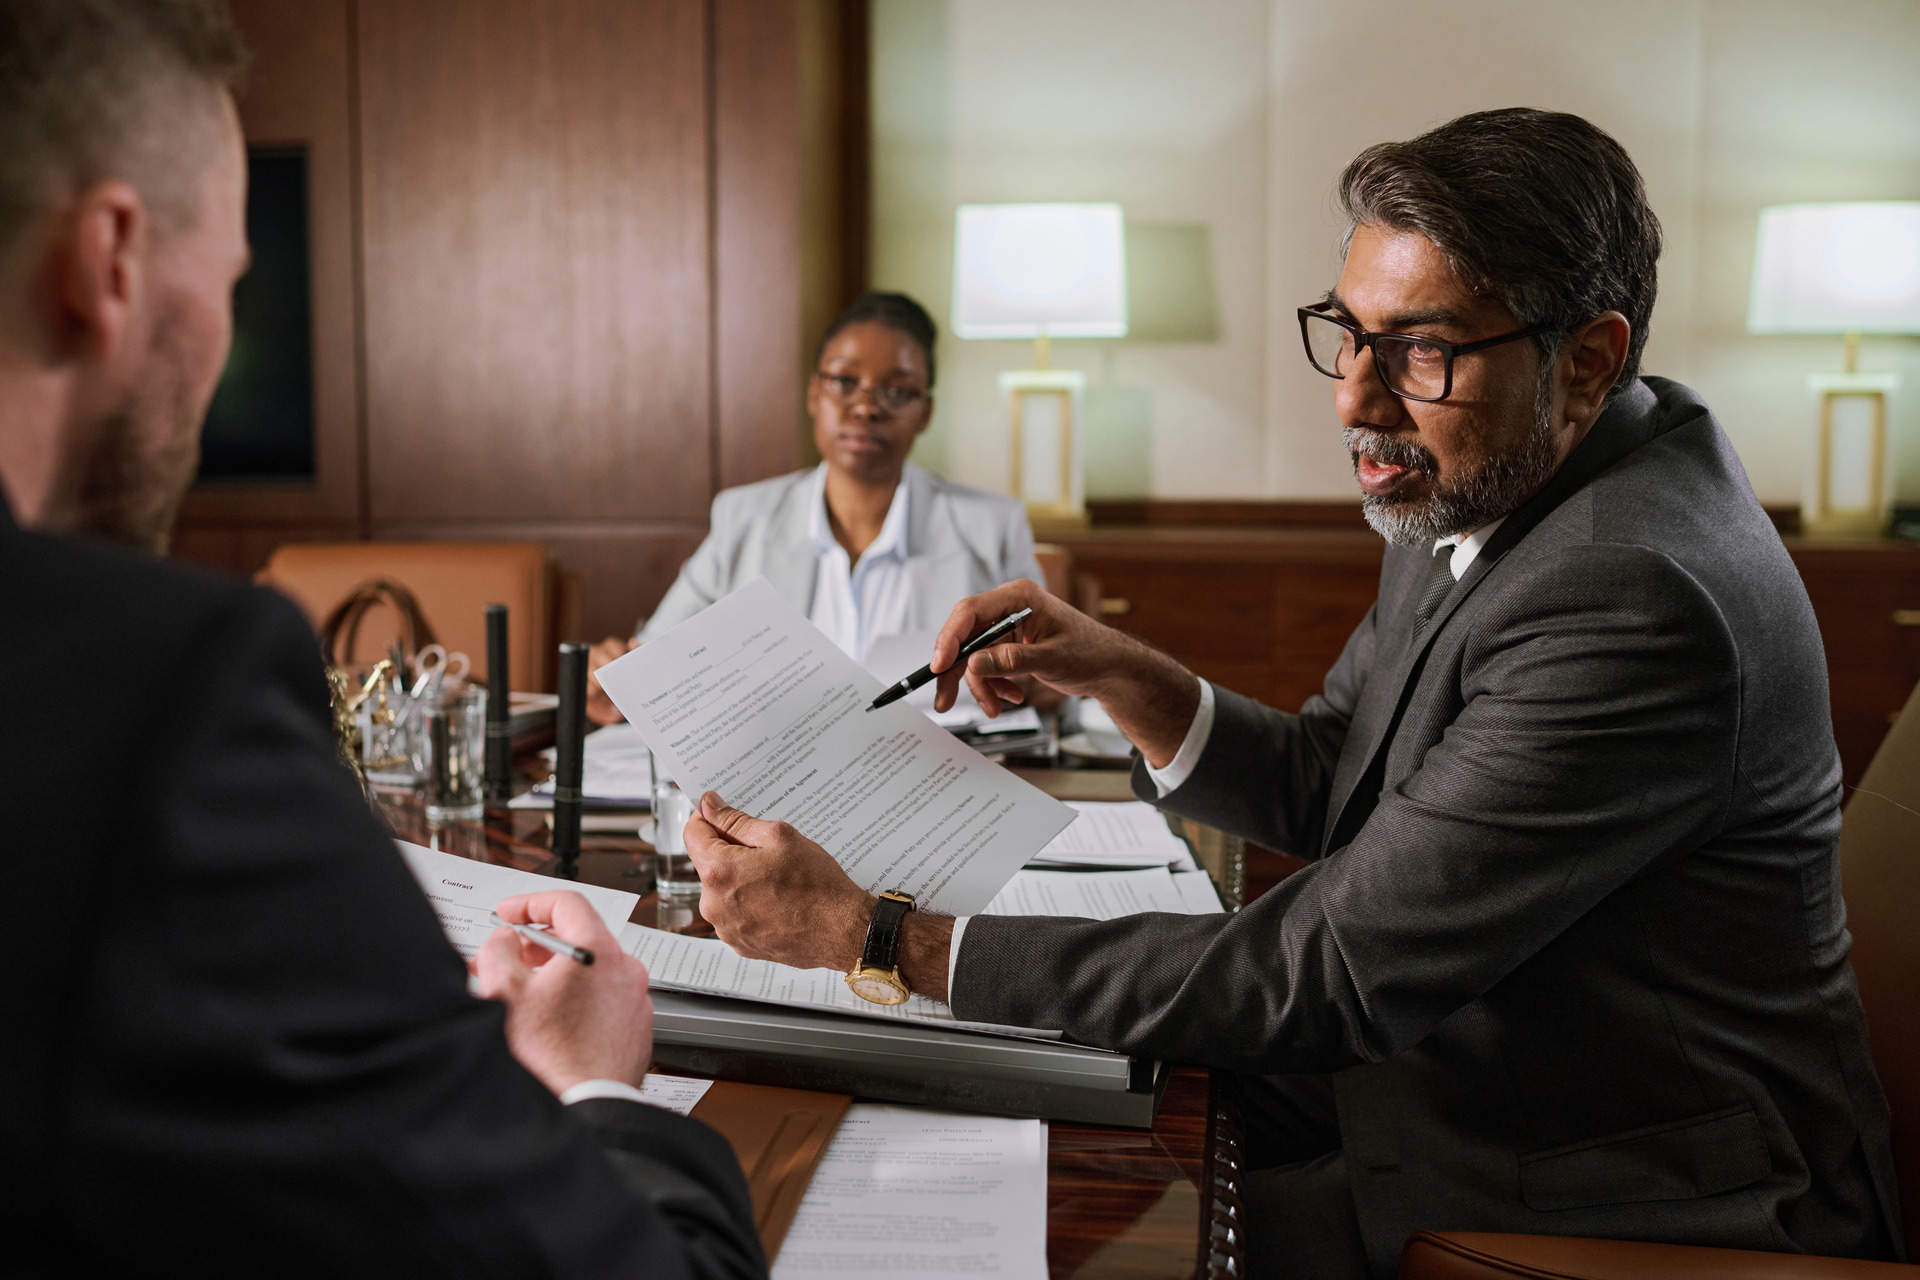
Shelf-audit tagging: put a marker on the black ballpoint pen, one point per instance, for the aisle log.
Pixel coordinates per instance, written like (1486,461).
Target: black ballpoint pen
(986,639)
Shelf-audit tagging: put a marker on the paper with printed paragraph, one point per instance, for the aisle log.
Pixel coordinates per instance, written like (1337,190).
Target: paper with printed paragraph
(749,699)
(464,893)
(903,1192)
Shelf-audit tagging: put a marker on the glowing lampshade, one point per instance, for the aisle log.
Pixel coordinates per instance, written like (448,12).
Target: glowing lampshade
(1034,270)
(1837,268)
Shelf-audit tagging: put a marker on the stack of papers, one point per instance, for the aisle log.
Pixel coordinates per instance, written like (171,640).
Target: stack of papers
(616,773)
(1128,834)
(904,1191)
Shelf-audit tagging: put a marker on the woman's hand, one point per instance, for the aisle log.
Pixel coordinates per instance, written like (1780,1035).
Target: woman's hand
(600,708)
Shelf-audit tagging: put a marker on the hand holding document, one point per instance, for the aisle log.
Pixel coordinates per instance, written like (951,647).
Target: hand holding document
(974,1189)
(749,699)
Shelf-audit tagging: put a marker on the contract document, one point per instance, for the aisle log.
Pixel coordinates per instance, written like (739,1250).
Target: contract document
(1131,833)
(708,966)
(905,1192)
(1096,895)
(463,894)
(749,699)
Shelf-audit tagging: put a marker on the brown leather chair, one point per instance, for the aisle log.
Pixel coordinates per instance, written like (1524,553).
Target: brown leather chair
(1880,875)
(453,583)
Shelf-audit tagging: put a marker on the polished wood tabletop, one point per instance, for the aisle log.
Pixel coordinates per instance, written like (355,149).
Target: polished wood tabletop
(1120,1202)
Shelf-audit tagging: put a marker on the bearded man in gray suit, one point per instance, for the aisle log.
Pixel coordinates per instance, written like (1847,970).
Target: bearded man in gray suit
(1570,957)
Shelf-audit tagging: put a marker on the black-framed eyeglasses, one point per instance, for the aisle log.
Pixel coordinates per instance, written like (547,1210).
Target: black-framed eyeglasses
(1412,368)
(887,399)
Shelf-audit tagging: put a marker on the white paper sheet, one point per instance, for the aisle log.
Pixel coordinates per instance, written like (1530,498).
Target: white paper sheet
(707,966)
(678,1094)
(749,699)
(891,659)
(904,1192)
(1131,833)
(1089,895)
(464,892)
(614,770)
(1197,892)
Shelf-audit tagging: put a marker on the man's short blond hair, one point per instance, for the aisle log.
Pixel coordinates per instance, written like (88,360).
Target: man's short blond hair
(99,89)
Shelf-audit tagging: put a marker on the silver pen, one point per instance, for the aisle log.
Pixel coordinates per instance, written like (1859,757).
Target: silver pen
(538,935)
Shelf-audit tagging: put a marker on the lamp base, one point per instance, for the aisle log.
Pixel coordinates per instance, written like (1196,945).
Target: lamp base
(1849,479)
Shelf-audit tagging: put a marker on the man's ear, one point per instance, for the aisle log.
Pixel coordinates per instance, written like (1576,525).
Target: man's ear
(1598,351)
(100,270)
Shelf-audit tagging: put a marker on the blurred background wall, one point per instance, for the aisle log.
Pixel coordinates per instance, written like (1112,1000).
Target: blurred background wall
(1221,125)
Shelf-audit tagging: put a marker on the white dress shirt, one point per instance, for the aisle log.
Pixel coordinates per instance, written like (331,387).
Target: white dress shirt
(1180,768)
(855,603)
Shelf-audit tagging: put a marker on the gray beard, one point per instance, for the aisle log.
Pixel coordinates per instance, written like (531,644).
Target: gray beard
(1464,503)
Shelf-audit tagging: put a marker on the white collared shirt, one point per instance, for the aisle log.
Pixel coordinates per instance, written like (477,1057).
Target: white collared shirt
(855,603)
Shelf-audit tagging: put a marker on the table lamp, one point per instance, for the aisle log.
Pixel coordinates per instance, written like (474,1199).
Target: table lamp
(1042,271)
(1847,269)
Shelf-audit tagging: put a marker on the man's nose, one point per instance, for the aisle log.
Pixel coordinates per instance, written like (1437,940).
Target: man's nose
(1362,400)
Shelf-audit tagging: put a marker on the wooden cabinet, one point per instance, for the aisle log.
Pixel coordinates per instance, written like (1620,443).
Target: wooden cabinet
(1260,597)
(1867,598)
(1263,612)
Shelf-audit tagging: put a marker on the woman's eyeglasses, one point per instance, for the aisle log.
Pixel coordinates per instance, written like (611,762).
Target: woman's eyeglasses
(1412,368)
(887,399)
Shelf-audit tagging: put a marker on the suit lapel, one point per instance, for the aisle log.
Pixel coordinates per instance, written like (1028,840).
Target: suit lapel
(1625,426)
(790,563)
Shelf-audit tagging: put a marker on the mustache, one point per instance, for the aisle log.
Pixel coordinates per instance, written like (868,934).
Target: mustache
(1389,450)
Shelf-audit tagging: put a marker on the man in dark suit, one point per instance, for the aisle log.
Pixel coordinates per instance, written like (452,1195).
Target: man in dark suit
(236,1041)
(1570,956)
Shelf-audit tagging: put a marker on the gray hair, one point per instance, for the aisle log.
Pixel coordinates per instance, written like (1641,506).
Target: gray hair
(98,89)
(1537,210)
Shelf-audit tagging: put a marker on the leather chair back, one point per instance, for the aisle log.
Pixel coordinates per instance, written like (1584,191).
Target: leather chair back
(453,582)
(1880,876)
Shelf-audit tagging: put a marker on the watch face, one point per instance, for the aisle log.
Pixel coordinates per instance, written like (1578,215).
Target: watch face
(877,986)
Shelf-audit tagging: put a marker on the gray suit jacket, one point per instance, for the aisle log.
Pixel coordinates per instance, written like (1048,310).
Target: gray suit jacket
(959,541)
(1573,939)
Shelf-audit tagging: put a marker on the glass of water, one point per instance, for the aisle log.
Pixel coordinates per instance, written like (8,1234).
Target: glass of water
(449,744)
(673,872)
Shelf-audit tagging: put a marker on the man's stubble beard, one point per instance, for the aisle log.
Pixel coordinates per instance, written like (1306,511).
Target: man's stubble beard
(124,480)
(1466,502)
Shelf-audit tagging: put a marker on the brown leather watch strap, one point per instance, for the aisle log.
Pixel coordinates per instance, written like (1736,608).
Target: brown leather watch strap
(883,931)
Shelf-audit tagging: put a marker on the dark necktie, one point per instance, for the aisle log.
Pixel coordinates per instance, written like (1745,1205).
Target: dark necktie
(1439,582)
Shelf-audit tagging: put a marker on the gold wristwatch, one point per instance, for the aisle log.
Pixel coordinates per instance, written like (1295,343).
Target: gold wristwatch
(876,975)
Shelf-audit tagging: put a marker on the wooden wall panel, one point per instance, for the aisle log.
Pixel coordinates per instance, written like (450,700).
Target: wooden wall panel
(535,190)
(298,92)
(759,412)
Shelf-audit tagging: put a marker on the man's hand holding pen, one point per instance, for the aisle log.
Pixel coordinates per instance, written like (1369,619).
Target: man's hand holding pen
(1150,696)
(567,1022)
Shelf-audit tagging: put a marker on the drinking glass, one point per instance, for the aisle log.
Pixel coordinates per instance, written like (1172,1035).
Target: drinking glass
(449,751)
(673,872)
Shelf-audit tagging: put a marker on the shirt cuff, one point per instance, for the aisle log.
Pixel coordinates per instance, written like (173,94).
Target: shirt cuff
(1181,767)
(953,952)
(590,1089)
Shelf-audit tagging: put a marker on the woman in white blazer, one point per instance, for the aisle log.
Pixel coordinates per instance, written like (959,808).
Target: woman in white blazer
(866,544)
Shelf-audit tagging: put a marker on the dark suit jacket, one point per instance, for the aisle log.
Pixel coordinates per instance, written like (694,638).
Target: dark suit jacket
(1573,940)
(235,1039)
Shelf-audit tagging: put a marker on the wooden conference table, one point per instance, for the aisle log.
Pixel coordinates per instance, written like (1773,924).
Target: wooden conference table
(1120,1202)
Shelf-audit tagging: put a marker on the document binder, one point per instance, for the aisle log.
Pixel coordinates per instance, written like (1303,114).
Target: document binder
(902,1061)
(778,1136)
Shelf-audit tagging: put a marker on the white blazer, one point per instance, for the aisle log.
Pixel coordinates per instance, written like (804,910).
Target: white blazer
(959,541)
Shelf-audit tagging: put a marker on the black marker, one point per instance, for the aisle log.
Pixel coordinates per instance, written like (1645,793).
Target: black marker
(985,640)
